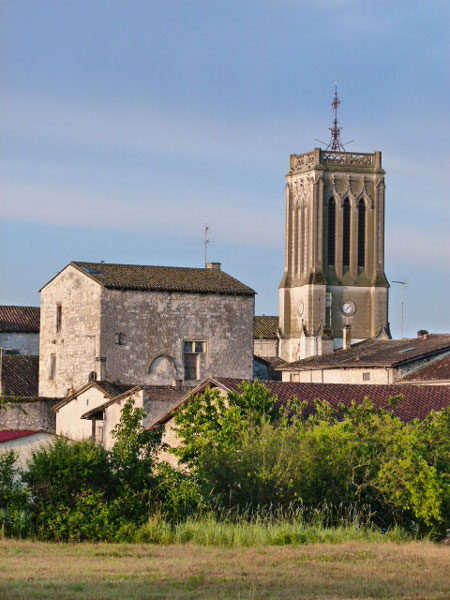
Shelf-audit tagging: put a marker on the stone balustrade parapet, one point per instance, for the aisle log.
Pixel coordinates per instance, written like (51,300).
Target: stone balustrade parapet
(300,163)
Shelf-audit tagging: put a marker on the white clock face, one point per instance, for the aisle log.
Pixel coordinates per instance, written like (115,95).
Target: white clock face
(349,308)
(300,308)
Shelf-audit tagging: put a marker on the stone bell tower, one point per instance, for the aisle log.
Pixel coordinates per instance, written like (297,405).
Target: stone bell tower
(334,289)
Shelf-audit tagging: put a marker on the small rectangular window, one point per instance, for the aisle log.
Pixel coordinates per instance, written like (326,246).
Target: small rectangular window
(366,376)
(58,317)
(199,347)
(52,373)
(190,366)
(191,351)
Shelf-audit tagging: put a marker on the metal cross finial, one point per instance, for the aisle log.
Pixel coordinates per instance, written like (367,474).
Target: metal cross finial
(335,143)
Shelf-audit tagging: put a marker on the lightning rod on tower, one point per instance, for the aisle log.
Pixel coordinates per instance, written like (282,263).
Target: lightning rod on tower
(335,144)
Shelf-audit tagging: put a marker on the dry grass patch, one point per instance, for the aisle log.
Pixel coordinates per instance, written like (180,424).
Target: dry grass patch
(413,570)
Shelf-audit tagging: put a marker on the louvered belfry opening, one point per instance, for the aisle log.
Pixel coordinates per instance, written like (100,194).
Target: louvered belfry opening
(361,234)
(346,235)
(331,232)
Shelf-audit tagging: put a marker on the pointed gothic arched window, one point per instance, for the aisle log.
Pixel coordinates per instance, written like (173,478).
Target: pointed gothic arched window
(346,235)
(361,234)
(331,231)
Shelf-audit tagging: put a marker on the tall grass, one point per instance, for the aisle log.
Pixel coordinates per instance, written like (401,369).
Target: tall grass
(271,527)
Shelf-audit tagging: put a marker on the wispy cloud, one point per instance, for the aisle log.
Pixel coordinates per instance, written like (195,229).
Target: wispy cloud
(412,246)
(164,215)
(143,129)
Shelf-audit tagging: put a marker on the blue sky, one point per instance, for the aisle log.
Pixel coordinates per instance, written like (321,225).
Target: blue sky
(127,125)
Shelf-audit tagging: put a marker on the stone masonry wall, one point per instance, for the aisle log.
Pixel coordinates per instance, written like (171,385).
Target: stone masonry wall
(155,324)
(28,415)
(76,345)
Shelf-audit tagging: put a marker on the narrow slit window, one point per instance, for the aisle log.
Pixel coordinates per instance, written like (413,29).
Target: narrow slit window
(331,231)
(52,373)
(361,234)
(58,317)
(346,235)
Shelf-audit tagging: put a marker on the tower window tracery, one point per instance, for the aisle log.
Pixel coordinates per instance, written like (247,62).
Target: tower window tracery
(361,234)
(346,235)
(331,232)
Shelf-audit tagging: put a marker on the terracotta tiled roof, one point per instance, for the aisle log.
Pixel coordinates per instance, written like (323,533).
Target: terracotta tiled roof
(172,279)
(113,390)
(273,361)
(436,371)
(19,375)
(161,393)
(110,389)
(21,319)
(8,435)
(377,353)
(265,328)
(417,402)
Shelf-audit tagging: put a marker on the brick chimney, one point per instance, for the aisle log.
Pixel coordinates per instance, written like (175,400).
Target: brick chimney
(215,266)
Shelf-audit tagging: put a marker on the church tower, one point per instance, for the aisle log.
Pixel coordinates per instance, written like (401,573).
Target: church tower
(334,289)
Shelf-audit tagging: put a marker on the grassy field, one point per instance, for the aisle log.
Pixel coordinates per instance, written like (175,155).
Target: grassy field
(32,570)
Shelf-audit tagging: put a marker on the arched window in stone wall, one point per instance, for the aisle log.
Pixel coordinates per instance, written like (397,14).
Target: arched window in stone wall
(346,235)
(361,234)
(163,370)
(331,231)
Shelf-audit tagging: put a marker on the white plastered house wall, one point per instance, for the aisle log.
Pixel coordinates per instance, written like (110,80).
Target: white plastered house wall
(69,412)
(25,446)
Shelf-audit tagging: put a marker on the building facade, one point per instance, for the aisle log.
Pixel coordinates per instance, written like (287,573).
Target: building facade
(334,286)
(146,325)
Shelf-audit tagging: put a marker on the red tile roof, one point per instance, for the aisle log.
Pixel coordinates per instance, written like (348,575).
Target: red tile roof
(376,353)
(436,371)
(273,361)
(265,328)
(21,319)
(7,436)
(417,401)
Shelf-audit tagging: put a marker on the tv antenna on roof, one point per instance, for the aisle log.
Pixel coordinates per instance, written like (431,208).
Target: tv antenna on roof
(206,241)
(335,144)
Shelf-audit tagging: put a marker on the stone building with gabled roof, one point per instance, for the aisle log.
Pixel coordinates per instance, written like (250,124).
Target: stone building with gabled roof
(19,329)
(143,325)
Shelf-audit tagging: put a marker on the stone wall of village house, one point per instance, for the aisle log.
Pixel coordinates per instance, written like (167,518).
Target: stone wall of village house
(266,347)
(76,344)
(361,375)
(141,327)
(28,415)
(23,343)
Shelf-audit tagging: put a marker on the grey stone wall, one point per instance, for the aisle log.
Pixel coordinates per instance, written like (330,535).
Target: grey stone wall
(24,343)
(155,324)
(33,414)
(76,345)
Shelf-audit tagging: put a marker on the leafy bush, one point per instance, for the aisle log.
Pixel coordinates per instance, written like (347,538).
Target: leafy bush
(249,454)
